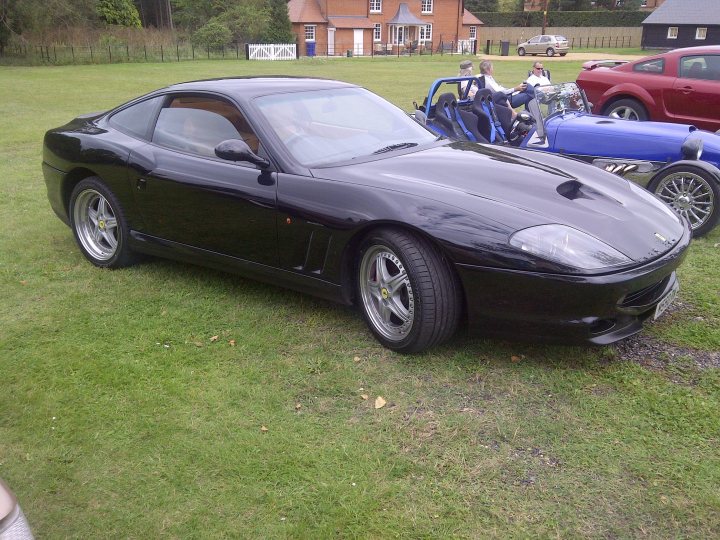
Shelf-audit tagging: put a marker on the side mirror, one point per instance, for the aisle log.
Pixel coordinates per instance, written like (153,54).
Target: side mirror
(238,150)
(534,109)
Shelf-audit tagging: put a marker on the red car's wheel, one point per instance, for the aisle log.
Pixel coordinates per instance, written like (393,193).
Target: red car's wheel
(626,109)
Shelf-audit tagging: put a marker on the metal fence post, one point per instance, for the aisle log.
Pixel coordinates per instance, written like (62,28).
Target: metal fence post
(177,49)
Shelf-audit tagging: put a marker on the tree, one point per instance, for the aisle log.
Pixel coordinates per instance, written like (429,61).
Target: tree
(157,13)
(279,28)
(481,5)
(212,35)
(120,12)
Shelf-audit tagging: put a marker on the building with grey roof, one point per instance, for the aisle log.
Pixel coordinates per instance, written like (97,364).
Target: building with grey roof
(682,23)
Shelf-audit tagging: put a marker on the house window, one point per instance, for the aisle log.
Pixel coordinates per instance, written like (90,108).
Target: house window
(700,32)
(643,3)
(473,32)
(426,32)
(427,6)
(377,32)
(375,6)
(398,35)
(672,32)
(309,32)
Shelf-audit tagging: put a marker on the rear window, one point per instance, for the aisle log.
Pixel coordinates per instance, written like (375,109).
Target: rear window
(656,65)
(560,38)
(136,119)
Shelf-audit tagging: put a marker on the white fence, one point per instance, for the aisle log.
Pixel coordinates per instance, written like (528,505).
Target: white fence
(272,51)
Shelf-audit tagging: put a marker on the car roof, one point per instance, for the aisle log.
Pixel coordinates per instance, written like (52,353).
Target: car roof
(250,87)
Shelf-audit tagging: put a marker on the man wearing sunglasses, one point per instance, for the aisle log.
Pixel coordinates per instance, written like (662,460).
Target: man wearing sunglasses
(538,76)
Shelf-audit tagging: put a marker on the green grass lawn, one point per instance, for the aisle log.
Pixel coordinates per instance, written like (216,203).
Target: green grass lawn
(126,411)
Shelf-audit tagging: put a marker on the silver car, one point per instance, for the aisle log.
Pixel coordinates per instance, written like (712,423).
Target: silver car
(545,44)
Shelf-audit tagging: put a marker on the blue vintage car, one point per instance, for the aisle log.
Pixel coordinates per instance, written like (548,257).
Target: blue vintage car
(679,163)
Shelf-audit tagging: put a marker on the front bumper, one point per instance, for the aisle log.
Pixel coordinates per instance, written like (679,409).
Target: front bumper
(561,308)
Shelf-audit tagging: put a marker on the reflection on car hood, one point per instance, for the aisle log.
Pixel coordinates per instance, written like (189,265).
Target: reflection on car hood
(542,188)
(585,134)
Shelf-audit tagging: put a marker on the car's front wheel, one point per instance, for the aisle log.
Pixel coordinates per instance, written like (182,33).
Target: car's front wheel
(521,52)
(691,192)
(409,295)
(550,51)
(626,109)
(99,224)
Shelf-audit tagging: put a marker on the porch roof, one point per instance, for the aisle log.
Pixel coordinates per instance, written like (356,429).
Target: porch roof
(351,22)
(403,17)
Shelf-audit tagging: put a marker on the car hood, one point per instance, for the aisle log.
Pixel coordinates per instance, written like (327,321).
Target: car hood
(585,134)
(516,189)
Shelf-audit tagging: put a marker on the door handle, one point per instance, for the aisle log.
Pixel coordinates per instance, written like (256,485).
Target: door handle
(687,89)
(141,184)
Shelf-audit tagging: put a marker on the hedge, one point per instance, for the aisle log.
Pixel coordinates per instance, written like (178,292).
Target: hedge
(562,18)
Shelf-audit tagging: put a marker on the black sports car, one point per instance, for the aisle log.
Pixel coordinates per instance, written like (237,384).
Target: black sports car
(325,187)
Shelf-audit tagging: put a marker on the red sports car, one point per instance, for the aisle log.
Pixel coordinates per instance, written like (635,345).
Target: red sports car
(680,86)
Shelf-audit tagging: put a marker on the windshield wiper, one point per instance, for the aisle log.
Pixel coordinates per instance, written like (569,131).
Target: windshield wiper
(397,146)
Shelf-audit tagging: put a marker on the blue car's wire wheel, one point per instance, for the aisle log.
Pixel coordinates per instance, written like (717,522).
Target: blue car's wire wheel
(692,193)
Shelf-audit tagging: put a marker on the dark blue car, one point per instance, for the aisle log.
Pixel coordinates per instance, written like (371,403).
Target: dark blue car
(679,163)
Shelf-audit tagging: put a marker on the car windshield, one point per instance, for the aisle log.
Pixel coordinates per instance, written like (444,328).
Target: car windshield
(327,126)
(562,97)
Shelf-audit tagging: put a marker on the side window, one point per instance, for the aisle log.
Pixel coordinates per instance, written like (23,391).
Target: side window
(198,124)
(135,120)
(536,39)
(700,67)
(650,66)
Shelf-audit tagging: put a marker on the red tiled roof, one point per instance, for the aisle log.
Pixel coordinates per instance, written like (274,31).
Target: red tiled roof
(350,22)
(305,11)
(469,18)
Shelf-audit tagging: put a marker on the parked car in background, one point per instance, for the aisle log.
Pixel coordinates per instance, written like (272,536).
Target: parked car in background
(679,163)
(13,525)
(680,86)
(545,44)
(327,188)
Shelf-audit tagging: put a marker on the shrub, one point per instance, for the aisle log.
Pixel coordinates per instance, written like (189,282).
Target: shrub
(212,35)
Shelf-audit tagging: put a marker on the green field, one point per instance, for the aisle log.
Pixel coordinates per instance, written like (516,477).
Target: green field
(133,402)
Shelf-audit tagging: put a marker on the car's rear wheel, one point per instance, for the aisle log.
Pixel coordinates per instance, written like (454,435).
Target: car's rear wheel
(550,51)
(99,224)
(521,52)
(691,192)
(626,109)
(409,295)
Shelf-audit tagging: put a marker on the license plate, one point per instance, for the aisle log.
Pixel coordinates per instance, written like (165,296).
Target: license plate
(667,300)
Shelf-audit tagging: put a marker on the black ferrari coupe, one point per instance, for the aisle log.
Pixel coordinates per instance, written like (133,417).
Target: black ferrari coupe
(324,187)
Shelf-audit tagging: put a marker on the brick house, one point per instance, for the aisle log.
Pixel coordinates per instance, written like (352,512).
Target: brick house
(363,27)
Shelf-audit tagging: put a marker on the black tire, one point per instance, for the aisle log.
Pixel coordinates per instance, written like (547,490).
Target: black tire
(408,293)
(550,51)
(626,109)
(691,192)
(521,51)
(99,224)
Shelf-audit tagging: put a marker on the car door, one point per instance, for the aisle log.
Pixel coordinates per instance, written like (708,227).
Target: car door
(695,96)
(534,45)
(188,196)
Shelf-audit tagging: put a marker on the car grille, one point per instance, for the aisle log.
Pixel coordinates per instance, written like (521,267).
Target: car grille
(645,297)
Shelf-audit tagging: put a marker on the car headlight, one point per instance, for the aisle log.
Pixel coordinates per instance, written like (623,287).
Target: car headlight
(567,246)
